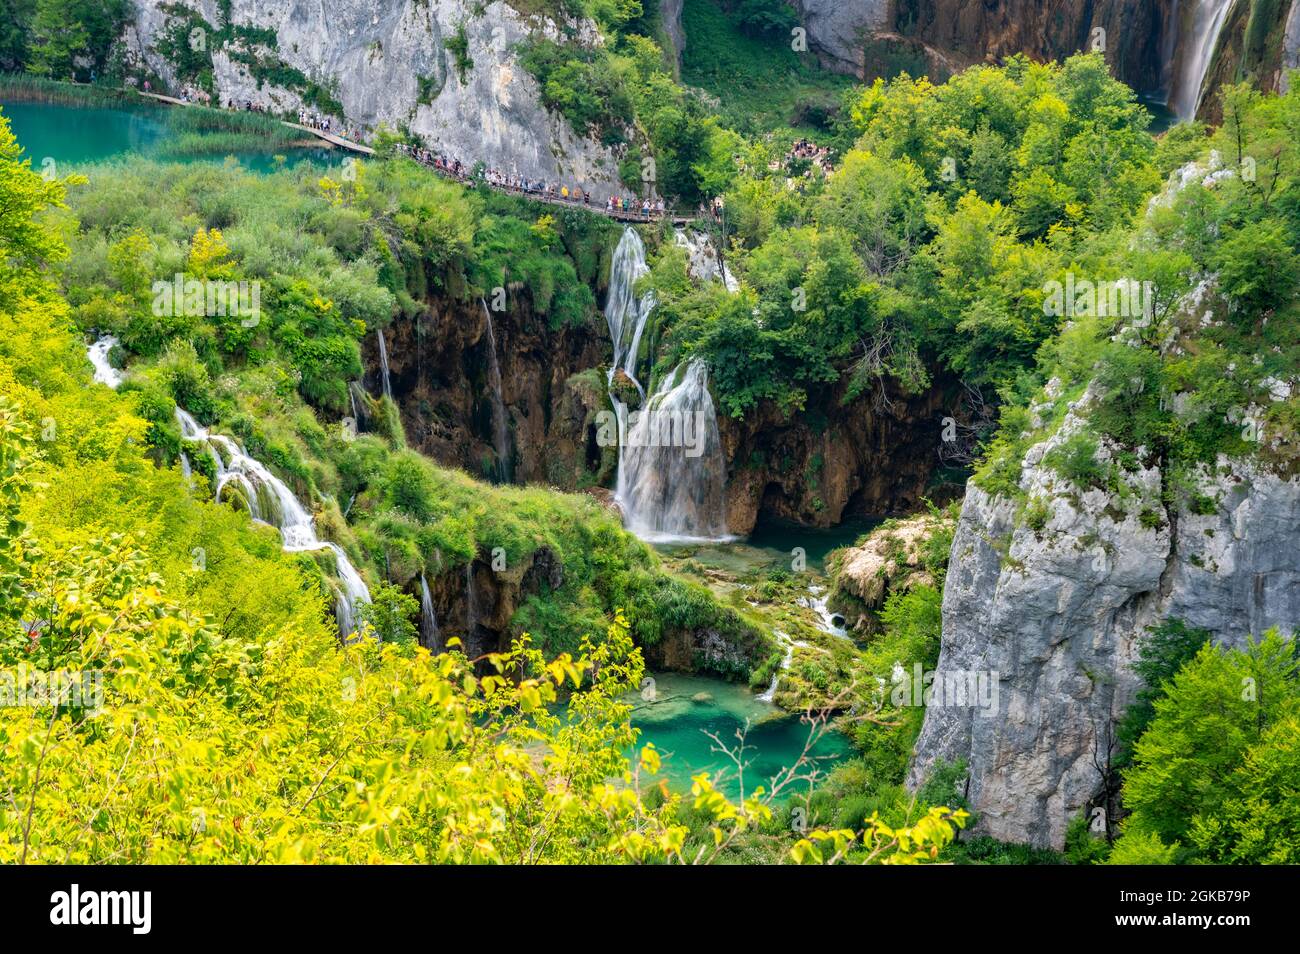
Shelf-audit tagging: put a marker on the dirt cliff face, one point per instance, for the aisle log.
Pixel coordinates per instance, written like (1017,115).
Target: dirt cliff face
(439,369)
(1135,33)
(836,460)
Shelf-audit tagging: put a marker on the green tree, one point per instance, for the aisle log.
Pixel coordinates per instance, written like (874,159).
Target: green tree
(57,37)
(391,613)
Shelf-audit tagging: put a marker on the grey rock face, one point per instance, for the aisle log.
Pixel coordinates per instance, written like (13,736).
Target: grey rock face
(1057,614)
(836,28)
(670,11)
(1290,45)
(388,61)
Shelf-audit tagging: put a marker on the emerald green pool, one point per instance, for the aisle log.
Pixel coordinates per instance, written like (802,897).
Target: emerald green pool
(684,708)
(75,135)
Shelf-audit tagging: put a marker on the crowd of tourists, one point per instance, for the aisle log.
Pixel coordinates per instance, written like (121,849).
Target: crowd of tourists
(535,188)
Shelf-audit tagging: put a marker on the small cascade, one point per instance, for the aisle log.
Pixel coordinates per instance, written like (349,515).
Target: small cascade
(269,500)
(706,264)
(105,373)
(500,420)
(827,621)
(186,470)
(1196,55)
(671,470)
(430,636)
(790,646)
(360,401)
(383,364)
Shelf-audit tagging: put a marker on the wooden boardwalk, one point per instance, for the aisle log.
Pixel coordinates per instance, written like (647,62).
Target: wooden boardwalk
(622,215)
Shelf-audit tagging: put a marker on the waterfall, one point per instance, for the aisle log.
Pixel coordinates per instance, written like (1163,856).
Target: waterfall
(360,405)
(1206,22)
(105,373)
(500,421)
(383,364)
(790,646)
(269,500)
(429,633)
(624,312)
(826,620)
(706,264)
(671,470)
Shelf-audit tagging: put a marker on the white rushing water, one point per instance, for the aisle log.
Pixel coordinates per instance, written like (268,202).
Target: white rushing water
(271,501)
(827,621)
(1207,19)
(500,420)
(430,635)
(790,646)
(706,264)
(383,364)
(105,373)
(671,470)
(626,314)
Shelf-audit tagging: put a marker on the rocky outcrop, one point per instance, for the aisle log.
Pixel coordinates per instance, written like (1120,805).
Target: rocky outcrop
(891,559)
(447,70)
(836,460)
(838,30)
(1049,597)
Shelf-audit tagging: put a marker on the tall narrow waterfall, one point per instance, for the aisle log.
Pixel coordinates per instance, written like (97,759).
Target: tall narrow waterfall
(383,364)
(430,636)
(500,420)
(1196,54)
(270,500)
(671,469)
(624,312)
(471,609)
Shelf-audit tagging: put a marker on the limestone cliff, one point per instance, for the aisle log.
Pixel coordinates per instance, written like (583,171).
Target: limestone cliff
(1054,607)
(447,70)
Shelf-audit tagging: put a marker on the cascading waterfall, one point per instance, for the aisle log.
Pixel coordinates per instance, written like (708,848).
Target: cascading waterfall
(430,636)
(705,262)
(624,312)
(790,646)
(500,421)
(105,373)
(360,405)
(671,470)
(827,621)
(269,500)
(1206,23)
(383,364)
